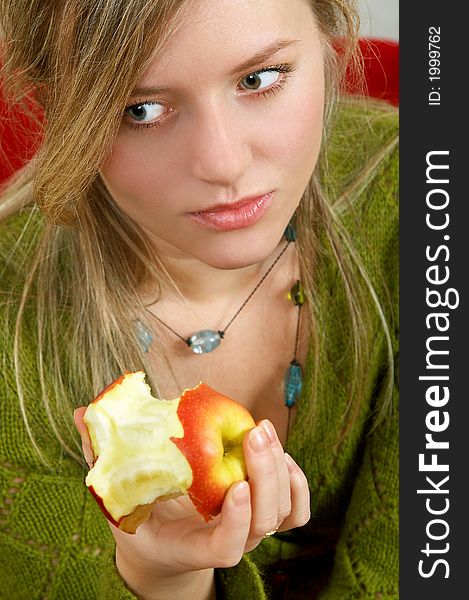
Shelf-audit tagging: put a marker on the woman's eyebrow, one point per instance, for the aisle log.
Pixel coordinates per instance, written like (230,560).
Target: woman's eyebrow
(260,57)
(263,55)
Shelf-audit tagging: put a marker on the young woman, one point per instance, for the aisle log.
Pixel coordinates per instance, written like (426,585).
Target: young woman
(195,165)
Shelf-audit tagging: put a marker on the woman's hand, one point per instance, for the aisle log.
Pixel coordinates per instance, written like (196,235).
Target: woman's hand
(176,540)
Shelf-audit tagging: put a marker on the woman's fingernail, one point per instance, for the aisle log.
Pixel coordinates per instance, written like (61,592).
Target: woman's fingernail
(241,494)
(270,431)
(258,439)
(292,466)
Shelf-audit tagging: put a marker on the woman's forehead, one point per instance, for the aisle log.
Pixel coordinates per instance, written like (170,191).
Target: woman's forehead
(227,35)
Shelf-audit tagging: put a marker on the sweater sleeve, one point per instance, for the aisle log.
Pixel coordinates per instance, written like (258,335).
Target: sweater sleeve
(242,581)
(112,586)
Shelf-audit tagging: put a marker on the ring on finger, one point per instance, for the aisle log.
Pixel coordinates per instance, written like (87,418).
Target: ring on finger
(269,533)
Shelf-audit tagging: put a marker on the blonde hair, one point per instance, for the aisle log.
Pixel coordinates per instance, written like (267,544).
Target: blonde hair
(89,260)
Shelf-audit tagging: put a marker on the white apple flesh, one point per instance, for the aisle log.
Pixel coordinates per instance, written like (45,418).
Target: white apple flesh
(148,449)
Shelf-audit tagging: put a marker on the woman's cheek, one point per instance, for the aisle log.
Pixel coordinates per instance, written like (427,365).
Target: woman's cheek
(135,177)
(298,134)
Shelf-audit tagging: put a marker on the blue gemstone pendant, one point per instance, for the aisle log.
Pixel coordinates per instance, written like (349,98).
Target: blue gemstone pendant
(293,383)
(204,341)
(144,336)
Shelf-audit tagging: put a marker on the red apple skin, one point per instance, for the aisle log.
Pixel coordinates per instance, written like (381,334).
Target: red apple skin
(100,502)
(202,411)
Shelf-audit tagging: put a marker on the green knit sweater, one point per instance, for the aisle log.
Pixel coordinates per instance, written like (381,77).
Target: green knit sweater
(55,543)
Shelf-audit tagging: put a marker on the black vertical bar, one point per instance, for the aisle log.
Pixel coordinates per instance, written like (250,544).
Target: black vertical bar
(434,523)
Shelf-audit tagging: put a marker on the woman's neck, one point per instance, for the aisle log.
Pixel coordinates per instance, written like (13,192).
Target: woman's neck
(202,285)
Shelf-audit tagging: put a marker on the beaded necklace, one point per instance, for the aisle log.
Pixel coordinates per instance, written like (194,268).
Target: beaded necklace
(207,340)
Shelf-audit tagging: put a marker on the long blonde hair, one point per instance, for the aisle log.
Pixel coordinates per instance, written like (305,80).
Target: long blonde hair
(88,260)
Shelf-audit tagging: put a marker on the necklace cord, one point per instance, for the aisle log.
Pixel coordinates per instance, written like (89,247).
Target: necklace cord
(258,285)
(223,331)
(166,325)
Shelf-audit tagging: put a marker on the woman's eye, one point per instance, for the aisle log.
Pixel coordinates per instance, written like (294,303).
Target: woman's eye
(260,79)
(145,112)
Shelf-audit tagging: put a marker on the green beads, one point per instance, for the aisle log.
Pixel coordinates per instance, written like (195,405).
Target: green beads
(144,336)
(296,294)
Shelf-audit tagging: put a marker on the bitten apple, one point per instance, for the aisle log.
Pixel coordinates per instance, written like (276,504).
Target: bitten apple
(147,449)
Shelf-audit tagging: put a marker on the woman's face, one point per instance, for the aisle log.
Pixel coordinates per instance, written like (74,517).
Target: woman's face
(214,122)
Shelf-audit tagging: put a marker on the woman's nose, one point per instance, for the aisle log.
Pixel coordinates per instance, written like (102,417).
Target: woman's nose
(220,150)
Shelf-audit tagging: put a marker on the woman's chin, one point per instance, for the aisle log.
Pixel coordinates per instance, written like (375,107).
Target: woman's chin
(221,250)
(240,255)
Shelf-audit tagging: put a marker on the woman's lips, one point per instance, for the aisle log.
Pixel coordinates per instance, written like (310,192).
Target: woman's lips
(236,218)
